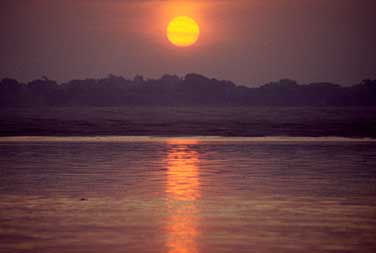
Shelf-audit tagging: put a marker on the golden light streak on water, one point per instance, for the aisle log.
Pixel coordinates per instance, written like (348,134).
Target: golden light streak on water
(182,189)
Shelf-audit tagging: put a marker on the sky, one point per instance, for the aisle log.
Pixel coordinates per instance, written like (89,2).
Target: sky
(250,42)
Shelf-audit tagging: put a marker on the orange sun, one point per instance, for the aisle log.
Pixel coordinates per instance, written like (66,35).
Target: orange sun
(183,31)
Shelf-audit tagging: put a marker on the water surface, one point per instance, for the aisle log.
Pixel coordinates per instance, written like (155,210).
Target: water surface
(187,195)
(189,121)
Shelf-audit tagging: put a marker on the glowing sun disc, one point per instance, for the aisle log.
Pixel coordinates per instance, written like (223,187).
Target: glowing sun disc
(183,31)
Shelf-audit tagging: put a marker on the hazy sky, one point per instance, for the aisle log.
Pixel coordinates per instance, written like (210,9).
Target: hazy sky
(249,42)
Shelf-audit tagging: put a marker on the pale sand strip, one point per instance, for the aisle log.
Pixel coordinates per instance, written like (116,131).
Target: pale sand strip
(189,139)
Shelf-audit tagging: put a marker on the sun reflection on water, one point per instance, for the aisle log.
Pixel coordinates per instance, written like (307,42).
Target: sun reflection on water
(182,189)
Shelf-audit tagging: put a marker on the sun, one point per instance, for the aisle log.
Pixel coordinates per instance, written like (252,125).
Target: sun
(183,31)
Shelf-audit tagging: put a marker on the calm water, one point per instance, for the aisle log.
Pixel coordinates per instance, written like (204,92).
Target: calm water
(182,121)
(187,195)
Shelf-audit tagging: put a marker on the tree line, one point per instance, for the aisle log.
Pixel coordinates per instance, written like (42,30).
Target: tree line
(172,90)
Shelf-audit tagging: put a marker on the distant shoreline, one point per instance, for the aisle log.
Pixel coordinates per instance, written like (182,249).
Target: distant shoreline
(191,90)
(178,139)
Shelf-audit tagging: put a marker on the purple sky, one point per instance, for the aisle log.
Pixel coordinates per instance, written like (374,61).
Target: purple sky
(250,42)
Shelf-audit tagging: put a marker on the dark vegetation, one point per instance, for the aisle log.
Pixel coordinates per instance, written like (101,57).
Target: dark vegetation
(192,90)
